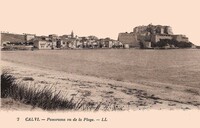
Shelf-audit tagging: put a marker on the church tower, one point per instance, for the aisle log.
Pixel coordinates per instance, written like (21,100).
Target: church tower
(72,34)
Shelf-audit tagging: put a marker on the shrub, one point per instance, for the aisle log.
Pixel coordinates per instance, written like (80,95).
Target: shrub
(165,42)
(7,82)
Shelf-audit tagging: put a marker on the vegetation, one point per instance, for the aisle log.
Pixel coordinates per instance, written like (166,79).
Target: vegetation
(45,98)
(172,43)
(7,82)
(17,47)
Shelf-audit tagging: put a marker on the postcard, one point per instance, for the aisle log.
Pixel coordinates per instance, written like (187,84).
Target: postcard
(100,63)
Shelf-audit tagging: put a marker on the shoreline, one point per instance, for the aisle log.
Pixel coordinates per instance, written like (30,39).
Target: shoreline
(131,96)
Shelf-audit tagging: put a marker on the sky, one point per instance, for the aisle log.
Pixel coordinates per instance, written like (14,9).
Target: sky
(102,18)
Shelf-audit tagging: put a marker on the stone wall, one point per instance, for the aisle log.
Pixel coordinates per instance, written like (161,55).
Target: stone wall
(128,38)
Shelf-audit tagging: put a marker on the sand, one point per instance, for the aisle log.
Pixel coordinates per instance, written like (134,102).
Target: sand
(124,95)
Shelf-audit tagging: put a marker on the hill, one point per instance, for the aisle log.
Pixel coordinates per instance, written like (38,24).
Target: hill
(12,37)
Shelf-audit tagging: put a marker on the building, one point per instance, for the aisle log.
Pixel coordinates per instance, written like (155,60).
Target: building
(42,44)
(29,37)
(153,29)
(117,44)
(53,36)
(157,37)
(149,34)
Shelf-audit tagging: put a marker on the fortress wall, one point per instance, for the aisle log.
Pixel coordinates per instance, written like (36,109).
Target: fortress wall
(128,38)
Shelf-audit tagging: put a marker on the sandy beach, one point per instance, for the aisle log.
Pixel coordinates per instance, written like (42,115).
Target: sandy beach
(126,95)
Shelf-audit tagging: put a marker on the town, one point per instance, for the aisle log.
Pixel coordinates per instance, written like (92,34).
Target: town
(143,37)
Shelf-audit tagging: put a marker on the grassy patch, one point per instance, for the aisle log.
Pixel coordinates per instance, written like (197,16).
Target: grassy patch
(7,83)
(44,97)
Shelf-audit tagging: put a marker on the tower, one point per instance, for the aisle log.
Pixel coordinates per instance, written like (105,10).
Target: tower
(72,34)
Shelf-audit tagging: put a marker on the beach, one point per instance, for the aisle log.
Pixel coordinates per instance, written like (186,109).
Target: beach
(128,79)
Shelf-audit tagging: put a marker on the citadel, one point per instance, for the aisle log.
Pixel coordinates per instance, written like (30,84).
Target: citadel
(150,34)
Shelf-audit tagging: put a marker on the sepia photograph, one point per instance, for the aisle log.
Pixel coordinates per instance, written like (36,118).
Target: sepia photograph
(98,56)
